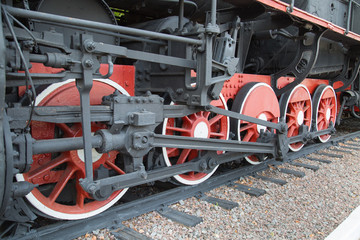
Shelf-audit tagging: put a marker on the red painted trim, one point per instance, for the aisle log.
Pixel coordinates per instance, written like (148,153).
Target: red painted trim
(309,17)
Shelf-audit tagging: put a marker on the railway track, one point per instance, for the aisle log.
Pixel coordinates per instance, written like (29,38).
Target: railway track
(113,218)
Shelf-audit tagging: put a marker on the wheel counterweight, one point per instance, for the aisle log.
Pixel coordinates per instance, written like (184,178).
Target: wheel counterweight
(296,110)
(198,125)
(59,194)
(256,100)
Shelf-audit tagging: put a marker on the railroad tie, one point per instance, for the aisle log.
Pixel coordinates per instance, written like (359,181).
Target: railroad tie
(292,172)
(319,160)
(329,154)
(257,192)
(304,165)
(269,179)
(123,232)
(340,150)
(228,205)
(180,217)
(353,144)
(351,148)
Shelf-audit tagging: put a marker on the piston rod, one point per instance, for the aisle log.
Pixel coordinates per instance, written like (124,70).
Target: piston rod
(64,144)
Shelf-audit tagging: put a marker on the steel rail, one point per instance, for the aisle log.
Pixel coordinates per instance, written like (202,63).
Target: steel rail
(115,215)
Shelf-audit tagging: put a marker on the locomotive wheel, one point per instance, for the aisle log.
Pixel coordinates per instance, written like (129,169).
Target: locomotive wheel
(59,194)
(256,100)
(324,110)
(198,125)
(296,110)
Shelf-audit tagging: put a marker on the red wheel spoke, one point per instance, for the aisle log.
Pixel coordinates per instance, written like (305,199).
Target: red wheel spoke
(44,169)
(191,174)
(215,119)
(215,134)
(321,117)
(207,114)
(291,131)
(248,135)
(114,167)
(321,125)
(183,156)
(183,130)
(292,107)
(292,122)
(321,111)
(187,119)
(61,183)
(247,127)
(305,108)
(292,115)
(80,198)
(171,150)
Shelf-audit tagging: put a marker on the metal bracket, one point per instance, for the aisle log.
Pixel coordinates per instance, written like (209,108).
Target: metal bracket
(302,64)
(344,77)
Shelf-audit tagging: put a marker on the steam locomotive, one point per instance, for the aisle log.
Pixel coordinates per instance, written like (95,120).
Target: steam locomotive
(98,96)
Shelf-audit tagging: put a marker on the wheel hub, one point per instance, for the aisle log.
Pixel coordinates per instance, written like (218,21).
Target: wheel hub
(300,118)
(260,127)
(201,129)
(328,114)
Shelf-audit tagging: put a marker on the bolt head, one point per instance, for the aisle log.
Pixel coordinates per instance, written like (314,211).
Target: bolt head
(88,63)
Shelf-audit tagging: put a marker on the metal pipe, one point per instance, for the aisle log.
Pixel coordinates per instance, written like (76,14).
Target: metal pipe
(213,12)
(181,14)
(348,22)
(64,144)
(17,12)
(38,58)
(290,9)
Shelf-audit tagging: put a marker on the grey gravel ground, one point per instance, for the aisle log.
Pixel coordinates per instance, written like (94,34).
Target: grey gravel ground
(306,208)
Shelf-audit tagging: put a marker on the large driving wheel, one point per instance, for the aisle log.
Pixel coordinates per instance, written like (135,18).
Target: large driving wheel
(59,194)
(256,100)
(296,110)
(198,125)
(325,108)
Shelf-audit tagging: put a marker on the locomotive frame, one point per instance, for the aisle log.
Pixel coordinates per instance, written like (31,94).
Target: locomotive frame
(184,72)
